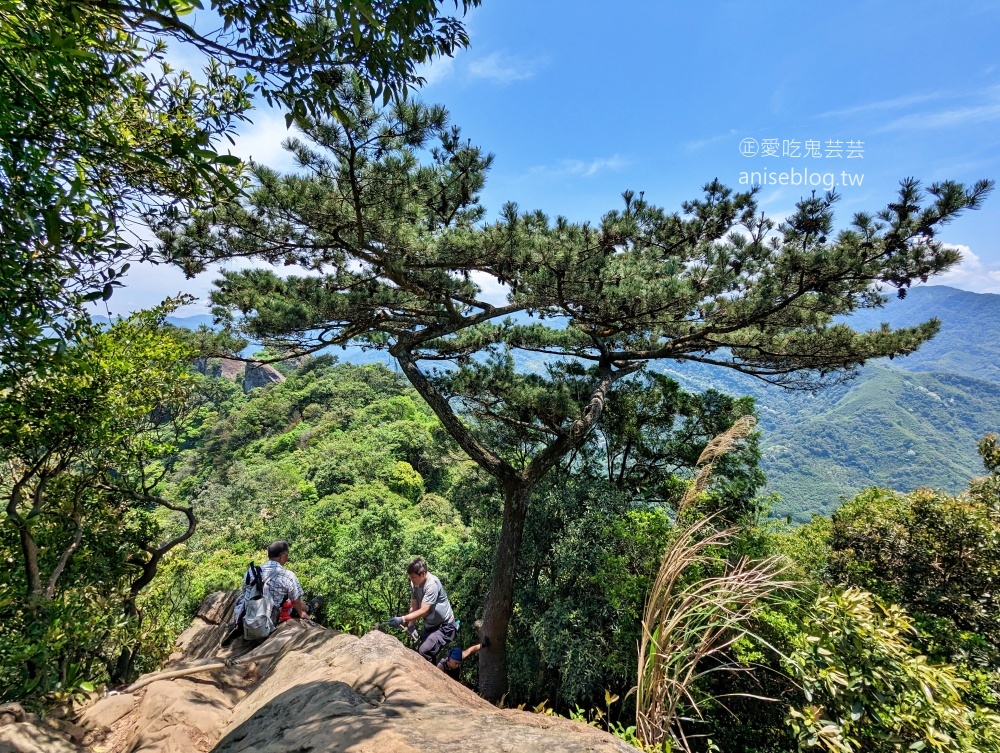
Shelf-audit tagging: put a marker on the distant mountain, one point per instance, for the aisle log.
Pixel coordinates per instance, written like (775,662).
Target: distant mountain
(890,428)
(909,422)
(969,340)
(913,421)
(185,322)
(191,322)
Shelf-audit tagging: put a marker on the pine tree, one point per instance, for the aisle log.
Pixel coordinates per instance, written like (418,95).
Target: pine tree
(386,211)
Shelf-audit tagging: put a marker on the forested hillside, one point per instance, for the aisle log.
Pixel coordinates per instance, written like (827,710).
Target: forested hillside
(905,423)
(347,463)
(891,428)
(341,460)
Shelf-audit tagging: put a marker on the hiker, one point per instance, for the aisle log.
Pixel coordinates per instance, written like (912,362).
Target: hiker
(429,601)
(451,665)
(271,584)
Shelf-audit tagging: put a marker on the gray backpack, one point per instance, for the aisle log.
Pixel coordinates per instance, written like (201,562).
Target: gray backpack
(258,614)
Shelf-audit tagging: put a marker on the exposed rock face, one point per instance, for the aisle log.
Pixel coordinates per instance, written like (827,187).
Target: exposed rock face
(324,691)
(26,737)
(260,375)
(22,732)
(219,367)
(333,692)
(254,374)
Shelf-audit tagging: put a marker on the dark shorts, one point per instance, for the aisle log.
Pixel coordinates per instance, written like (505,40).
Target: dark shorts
(433,639)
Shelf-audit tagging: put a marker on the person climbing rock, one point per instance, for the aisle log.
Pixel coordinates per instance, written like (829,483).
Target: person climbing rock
(451,665)
(428,601)
(276,584)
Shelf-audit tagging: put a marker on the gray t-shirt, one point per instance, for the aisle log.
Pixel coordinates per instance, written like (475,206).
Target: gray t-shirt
(432,592)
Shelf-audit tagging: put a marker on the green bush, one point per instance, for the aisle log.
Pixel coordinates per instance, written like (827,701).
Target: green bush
(868,688)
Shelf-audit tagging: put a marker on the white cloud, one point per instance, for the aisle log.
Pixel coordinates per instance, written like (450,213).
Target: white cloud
(971,273)
(502,70)
(579,168)
(885,104)
(493,291)
(262,140)
(437,70)
(944,118)
(148,284)
(983,107)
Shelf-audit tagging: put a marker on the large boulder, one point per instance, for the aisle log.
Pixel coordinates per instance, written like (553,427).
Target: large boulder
(260,375)
(334,692)
(28,737)
(319,690)
(23,732)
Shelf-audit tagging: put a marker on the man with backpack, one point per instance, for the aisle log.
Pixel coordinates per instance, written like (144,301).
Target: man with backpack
(429,601)
(266,587)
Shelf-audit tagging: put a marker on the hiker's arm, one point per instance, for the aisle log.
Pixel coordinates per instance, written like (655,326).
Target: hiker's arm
(301,605)
(413,606)
(471,650)
(415,614)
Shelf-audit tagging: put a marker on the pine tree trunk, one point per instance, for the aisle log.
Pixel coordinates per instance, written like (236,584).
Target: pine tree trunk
(500,600)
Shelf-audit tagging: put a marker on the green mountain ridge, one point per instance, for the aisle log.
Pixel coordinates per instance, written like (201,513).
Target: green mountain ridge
(970,330)
(906,423)
(891,428)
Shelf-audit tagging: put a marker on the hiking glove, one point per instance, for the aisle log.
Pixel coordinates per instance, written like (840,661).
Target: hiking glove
(395,622)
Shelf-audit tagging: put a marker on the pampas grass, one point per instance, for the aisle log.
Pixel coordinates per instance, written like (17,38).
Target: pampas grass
(688,627)
(721,445)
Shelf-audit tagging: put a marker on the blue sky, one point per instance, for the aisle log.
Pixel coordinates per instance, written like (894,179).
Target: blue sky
(581,100)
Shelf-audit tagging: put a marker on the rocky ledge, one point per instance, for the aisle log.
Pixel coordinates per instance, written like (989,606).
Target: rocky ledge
(312,690)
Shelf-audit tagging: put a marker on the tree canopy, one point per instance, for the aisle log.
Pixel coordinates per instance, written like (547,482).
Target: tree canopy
(82,451)
(99,134)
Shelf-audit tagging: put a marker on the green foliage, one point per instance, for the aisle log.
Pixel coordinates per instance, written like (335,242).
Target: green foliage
(319,459)
(299,52)
(937,556)
(806,546)
(83,447)
(387,210)
(601,718)
(326,460)
(96,133)
(51,651)
(867,688)
(595,536)
(586,566)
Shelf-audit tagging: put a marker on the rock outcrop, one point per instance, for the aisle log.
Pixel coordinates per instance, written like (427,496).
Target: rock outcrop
(254,374)
(23,732)
(323,691)
(260,375)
